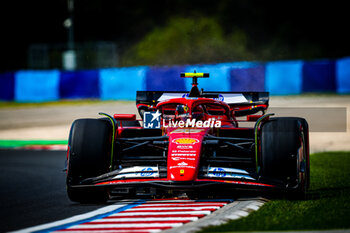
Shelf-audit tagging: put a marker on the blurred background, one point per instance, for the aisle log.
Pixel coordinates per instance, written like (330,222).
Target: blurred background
(108,49)
(111,33)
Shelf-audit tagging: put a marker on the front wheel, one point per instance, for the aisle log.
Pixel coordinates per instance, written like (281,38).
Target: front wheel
(285,153)
(89,156)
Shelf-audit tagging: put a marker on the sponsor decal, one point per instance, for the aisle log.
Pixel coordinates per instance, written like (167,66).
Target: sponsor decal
(190,167)
(183,151)
(185,141)
(183,130)
(184,147)
(182,158)
(229,173)
(229,170)
(219,172)
(151,120)
(180,155)
(136,172)
(235,176)
(182,164)
(211,123)
(147,171)
(186,108)
(220,97)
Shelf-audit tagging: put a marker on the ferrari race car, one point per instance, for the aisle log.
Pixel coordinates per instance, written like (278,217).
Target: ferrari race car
(199,143)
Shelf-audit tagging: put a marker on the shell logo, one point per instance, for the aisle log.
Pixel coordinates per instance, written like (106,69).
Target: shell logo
(185,141)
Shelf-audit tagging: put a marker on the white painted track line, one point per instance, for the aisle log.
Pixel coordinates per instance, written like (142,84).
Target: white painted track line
(118,225)
(161,213)
(146,219)
(73,219)
(140,208)
(118,231)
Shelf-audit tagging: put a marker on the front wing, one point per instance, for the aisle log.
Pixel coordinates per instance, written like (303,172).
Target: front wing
(165,184)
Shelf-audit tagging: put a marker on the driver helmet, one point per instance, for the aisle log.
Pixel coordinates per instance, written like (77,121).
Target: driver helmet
(180,109)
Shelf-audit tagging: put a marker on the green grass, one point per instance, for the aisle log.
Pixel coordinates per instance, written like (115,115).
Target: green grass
(327,205)
(21,143)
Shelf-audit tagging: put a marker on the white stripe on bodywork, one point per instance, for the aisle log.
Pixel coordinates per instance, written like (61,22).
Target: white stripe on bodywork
(231,176)
(137,172)
(233,98)
(226,169)
(136,169)
(168,96)
(228,173)
(135,175)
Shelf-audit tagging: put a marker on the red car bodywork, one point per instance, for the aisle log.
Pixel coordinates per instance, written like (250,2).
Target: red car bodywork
(181,155)
(185,144)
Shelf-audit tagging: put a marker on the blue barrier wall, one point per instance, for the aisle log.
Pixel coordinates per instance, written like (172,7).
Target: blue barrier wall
(319,76)
(279,78)
(248,79)
(284,78)
(7,86)
(79,84)
(122,83)
(165,79)
(37,86)
(343,75)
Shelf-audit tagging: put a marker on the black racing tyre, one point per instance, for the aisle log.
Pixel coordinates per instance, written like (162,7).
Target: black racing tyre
(305,182)
(89,156)
(285,152)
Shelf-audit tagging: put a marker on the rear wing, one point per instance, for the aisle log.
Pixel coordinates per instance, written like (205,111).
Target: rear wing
(243,103)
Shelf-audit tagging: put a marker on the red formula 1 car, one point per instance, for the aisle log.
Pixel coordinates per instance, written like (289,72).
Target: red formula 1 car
(191,143)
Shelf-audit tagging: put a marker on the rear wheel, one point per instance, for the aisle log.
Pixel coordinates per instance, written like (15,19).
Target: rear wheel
(89,156)
(285,153)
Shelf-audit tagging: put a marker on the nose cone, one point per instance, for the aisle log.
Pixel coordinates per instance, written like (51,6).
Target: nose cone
(184,153)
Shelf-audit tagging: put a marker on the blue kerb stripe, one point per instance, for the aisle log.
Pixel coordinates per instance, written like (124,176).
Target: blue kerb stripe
(65,226)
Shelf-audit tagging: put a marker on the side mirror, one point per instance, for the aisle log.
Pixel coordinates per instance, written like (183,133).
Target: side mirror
(253,117)
(125,117)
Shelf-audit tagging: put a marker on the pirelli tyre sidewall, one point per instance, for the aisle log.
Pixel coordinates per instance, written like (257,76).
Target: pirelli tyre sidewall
(89,156)
(285,153)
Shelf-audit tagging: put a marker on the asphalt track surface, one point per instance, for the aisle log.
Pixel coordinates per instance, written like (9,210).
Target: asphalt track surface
(33,189)
(33,193)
